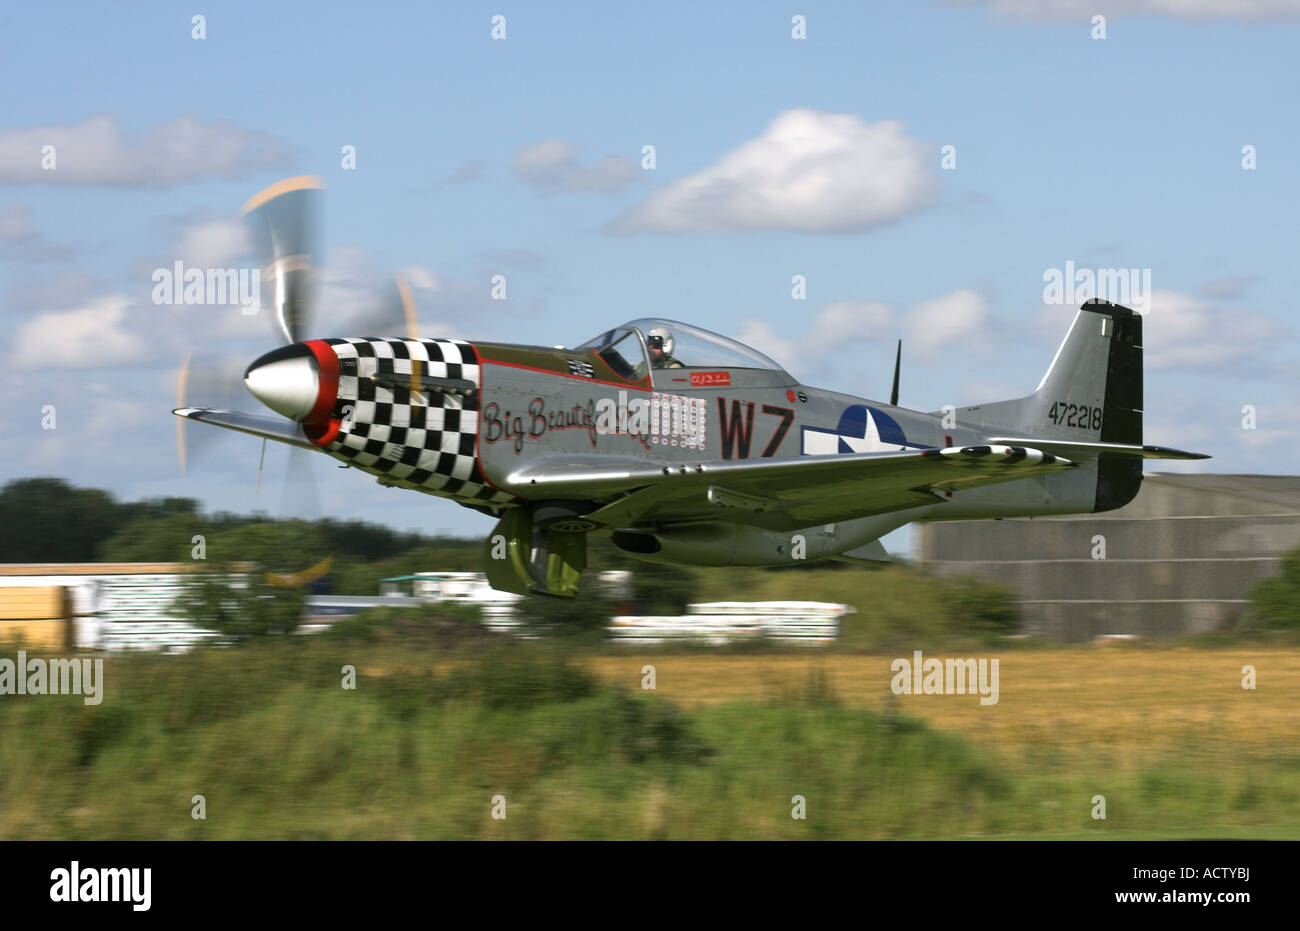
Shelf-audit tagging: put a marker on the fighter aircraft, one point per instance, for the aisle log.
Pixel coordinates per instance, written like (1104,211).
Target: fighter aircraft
(683,445)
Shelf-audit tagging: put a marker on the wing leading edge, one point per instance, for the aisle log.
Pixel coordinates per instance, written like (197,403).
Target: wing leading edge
(270,428)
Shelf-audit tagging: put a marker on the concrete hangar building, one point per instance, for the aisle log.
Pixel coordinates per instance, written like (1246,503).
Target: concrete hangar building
(1179,559)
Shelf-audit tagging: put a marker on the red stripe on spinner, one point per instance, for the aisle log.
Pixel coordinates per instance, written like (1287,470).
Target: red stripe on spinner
(328,364)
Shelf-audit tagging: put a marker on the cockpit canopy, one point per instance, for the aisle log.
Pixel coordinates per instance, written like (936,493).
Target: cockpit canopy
(684,346)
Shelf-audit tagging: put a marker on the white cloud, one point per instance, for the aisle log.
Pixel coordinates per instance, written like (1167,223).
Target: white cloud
(809,171)
(357,299)
(93,336)
(350,291)
(1229,288)
(763,336)
(981,392)
(553,166)
(1270,436)
(111,411)
(89,330)
(96,151)
(15,223)
(420,278)
(844,323)
(1084,10)
(22,243)
(199,240)
(958,317)
(214,243)
(67,290)
(1183,331)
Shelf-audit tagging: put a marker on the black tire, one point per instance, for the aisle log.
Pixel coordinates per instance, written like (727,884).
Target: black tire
(564,517)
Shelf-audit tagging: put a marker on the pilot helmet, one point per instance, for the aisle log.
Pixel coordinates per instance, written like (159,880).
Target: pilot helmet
(660,338)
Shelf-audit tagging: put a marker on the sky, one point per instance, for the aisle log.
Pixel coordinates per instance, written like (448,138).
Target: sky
(923,166)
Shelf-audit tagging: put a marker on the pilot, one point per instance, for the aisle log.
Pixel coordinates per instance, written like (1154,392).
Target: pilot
(660,343)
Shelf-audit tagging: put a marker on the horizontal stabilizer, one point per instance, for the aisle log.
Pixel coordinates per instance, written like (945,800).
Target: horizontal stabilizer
(873,552)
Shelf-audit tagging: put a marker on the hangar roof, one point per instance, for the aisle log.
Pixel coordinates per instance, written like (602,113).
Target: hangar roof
(1257,493)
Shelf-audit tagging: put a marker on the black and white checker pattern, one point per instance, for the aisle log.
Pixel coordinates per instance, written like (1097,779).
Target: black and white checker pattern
(429,443)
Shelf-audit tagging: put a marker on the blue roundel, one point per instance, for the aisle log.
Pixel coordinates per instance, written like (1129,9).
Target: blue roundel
(853,422)
(888,428)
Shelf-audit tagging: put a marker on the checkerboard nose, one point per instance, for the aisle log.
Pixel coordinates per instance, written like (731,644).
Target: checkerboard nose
(287,380)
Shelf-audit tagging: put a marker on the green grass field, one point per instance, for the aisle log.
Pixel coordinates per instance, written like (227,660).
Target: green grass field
(579,750)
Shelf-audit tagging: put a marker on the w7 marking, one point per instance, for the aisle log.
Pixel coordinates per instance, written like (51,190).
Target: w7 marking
(737,433)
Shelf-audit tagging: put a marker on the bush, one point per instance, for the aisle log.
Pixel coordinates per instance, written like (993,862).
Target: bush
(514,679)
(582,617)
(983,608)
(1276,600)
(442,626)
(253,581)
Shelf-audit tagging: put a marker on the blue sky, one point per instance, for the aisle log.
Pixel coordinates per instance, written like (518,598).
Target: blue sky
(522,157)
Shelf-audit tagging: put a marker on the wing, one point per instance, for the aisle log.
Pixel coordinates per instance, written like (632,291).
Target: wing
(777,493)
(271,428)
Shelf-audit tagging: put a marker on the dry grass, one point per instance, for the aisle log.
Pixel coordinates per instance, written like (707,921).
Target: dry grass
(1117,707)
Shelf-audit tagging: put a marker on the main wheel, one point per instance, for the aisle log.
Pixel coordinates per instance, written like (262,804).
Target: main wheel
(564,516)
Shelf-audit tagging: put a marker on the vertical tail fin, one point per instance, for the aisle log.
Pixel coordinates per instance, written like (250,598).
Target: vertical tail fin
(1102,356)
(1093,388)
(1092,392)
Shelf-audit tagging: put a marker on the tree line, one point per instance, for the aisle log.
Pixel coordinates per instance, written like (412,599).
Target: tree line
(50,520)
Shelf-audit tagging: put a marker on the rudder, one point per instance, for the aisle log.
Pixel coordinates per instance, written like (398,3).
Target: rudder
(1091,393)
(1093,388)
